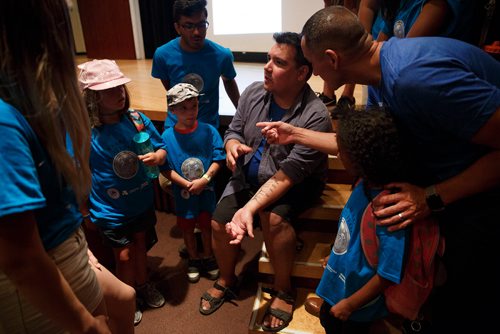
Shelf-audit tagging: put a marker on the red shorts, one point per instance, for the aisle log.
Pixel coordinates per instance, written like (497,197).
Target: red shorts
(202,222)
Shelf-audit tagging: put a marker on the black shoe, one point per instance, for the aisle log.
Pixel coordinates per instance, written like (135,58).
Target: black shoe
(183,252)
(210,268)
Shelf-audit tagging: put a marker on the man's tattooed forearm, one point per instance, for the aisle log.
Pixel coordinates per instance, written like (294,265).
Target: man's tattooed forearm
(265,191)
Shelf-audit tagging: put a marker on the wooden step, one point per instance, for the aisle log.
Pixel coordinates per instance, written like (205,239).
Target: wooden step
(302,322)
(307,264)
(331,203)
(334,163)
(305,323)
(337,172)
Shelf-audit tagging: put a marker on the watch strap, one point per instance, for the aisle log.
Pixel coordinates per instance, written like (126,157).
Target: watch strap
(433,199)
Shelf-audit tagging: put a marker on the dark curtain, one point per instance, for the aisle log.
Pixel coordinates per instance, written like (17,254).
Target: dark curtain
(157,24)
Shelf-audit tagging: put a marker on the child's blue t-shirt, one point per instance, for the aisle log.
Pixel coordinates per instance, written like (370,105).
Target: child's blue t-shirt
(30,181)
(121,190)
(348,270)
(190,155)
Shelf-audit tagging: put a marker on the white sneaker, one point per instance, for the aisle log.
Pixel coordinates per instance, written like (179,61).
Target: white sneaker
(193,270)
(137,316)
(151,296)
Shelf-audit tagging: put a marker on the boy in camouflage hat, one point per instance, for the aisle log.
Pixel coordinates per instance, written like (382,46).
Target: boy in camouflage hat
(195,155)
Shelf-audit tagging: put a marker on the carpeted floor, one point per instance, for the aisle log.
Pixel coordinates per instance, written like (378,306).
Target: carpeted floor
(180,313)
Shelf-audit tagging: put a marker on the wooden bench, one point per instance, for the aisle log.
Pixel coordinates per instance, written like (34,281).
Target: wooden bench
(331,203)
(307,263)
(335,195)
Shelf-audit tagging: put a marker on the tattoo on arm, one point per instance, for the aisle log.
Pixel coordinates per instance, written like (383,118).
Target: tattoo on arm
(265,192)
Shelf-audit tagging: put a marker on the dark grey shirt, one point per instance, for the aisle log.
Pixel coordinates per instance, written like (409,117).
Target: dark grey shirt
(298,162)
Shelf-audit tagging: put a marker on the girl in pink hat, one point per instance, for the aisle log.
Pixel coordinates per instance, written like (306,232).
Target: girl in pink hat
(121,202)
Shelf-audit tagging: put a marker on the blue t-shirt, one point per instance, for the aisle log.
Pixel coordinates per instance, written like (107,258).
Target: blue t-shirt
(377,25)
(407,14)
(190,154)
(201,68)
(121,190)
(348,270)
(409,11)
(252,168)
(30,181)
(441,92)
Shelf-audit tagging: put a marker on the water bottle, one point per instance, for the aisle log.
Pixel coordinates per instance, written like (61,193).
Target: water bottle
(142,146)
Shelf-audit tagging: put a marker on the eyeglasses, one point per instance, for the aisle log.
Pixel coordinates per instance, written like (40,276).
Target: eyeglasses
(203,25)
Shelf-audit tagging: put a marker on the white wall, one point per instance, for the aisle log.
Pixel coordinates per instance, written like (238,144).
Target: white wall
(294,13)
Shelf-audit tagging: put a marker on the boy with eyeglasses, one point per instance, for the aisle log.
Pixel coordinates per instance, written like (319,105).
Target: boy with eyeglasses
(191,58)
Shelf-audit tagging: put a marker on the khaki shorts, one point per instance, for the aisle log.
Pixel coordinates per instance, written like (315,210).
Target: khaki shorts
(17,315)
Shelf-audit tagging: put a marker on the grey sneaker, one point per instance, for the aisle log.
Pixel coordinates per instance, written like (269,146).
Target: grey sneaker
(151,296)
(193,270)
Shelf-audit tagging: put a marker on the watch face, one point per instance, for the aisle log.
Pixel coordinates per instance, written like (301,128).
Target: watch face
(433,199)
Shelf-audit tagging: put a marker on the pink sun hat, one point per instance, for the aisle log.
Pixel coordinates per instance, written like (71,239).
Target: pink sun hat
(101,74)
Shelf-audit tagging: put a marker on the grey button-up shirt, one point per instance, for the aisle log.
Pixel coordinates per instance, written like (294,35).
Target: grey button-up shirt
(298,162)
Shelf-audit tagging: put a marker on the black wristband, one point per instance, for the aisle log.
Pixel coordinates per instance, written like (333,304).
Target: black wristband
(433,199)
(347,101)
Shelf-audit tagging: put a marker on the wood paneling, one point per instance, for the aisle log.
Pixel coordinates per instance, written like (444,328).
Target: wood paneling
(107,28)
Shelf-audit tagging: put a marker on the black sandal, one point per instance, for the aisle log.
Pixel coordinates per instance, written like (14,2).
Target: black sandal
(215,303)
(284,316)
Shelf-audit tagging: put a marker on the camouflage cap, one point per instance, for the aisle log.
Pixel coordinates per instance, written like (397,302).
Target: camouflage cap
(180,93)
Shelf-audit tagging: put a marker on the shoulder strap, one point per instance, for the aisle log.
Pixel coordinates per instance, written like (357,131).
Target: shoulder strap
(136,119)
(368,234)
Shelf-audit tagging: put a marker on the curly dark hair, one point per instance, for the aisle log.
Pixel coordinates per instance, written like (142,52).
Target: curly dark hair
(189,8)
(371,142)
